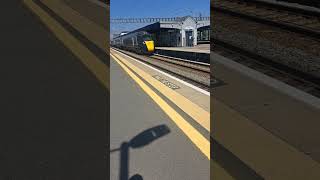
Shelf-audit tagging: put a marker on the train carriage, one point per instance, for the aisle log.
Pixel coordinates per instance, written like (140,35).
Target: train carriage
(139,42)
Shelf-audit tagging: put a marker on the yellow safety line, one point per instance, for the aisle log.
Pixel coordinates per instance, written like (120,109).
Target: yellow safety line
(85,26)
(195,111)
(98,68)
(198,139)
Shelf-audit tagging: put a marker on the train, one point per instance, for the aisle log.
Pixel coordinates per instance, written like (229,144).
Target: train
(139,42)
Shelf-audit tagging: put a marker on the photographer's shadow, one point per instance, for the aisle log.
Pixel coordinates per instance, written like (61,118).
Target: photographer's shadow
(142,139)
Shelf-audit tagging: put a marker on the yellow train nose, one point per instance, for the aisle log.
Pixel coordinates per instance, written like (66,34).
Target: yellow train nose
(150,45)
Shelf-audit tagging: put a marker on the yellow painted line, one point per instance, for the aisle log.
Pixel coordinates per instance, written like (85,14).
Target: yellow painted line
(200,141)
(85,26)
(193,110)
(98,68)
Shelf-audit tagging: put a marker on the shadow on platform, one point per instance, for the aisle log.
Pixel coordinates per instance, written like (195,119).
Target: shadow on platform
(142,139)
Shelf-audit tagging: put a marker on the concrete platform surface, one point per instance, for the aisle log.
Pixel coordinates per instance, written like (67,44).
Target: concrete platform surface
(201,48)
(172,156)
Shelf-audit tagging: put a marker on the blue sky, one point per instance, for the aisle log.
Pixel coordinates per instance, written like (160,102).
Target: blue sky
(154,8)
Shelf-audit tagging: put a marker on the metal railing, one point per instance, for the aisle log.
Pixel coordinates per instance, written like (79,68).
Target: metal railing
(153,20)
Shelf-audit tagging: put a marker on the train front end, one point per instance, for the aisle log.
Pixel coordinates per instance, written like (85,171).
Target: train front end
(148,44)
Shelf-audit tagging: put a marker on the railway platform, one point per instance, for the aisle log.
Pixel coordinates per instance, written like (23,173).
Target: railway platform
(200,48)
(156,132)
(270,126)
(199,53)
(160,125)
(143,97)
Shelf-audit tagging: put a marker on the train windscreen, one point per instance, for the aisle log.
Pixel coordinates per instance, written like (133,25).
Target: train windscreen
(147,37)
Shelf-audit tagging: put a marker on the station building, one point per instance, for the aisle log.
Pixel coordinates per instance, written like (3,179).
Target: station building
(203,34)
(181,32)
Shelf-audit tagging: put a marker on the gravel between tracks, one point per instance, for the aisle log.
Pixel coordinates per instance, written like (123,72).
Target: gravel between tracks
(292,49)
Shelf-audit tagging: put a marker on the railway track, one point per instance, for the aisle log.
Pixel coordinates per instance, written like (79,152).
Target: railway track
(268,67)
(190,72)
(204,67)
(291,19)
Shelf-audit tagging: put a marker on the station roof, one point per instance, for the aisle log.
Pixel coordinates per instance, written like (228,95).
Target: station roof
(155,27)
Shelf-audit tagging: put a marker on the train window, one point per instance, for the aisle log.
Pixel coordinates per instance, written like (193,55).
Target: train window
(146,37)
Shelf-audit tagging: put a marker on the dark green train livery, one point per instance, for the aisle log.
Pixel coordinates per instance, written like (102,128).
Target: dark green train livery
(139,42)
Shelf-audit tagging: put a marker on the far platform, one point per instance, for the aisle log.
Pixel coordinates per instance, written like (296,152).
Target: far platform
(201,48)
